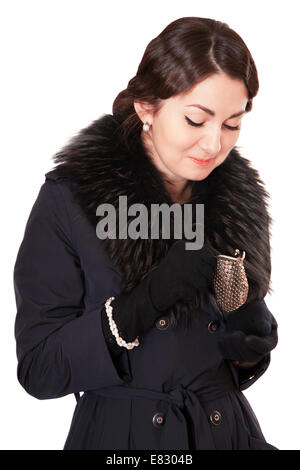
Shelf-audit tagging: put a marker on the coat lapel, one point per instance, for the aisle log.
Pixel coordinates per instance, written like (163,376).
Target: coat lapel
(236,214)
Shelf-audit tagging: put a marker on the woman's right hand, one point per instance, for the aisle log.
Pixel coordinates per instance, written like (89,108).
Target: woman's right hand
(181,274)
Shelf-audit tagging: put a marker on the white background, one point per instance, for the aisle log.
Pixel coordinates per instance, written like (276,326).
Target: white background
(63,63)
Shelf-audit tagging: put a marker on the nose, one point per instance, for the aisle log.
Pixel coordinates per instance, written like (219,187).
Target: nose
(210,143)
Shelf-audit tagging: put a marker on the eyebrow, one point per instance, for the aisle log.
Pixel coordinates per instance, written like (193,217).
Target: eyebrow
(212,113)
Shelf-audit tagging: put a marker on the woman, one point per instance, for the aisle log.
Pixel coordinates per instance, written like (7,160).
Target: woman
(132,321)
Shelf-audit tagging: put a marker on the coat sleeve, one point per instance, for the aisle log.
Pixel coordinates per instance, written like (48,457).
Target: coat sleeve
(245,377)
(60,345)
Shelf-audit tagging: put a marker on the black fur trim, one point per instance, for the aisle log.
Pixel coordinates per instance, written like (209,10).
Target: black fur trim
(236,203)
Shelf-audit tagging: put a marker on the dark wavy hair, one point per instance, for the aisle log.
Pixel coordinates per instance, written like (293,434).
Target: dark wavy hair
(187,51)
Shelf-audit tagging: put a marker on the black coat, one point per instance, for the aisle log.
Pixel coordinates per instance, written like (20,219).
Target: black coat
(174,391)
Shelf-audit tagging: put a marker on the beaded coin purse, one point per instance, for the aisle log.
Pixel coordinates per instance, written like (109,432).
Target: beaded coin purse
(230,282)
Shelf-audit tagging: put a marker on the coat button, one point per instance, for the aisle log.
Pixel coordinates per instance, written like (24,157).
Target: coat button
(215,418)
(158,420)
(213,326)
(162,323)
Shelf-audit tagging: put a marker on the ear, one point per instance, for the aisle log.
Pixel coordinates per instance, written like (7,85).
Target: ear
(144,111)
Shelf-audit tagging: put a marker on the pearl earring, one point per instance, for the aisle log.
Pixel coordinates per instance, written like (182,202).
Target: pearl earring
(146,126)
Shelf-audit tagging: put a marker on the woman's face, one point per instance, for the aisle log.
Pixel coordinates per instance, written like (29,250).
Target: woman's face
(181,129)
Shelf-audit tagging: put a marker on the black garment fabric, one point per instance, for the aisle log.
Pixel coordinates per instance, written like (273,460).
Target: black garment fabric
(173,392)
(180,275)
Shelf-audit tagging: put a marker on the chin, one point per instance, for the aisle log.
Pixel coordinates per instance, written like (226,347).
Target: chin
(201,174)
(200,177)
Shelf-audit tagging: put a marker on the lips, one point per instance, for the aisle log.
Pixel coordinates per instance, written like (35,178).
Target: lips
(201,161)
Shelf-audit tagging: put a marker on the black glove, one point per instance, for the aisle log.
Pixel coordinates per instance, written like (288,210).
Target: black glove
(250,333)
(180,275)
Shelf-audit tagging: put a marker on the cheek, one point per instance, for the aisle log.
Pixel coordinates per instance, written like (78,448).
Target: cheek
(229,140)
(227,144)
(170,141)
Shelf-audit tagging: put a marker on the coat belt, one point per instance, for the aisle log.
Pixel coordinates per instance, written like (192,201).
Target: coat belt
(186,411)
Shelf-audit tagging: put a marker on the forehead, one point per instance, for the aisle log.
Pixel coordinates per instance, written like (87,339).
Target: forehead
(217,92)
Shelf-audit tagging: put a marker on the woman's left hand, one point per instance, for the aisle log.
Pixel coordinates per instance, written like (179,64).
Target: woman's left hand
(250,333)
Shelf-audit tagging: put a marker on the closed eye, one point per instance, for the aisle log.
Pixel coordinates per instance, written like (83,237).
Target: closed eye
(199,124)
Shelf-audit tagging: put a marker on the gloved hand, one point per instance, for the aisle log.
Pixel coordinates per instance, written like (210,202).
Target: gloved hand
(180,275)
(250,333)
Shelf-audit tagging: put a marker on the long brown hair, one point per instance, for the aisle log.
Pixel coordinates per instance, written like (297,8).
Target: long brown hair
(187,51)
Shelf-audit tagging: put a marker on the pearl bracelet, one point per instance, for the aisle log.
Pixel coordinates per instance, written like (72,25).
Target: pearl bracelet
(114,328)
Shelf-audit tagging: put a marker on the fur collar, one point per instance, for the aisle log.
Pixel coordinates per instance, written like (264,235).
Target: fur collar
(236,214)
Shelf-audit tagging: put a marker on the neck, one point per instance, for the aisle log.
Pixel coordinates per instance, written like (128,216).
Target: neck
(179,192)
(178,188)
